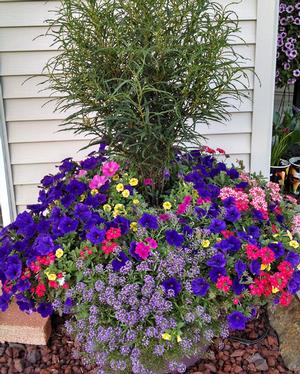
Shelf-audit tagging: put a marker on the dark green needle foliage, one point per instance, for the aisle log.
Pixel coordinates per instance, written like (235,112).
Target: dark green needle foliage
(140,73)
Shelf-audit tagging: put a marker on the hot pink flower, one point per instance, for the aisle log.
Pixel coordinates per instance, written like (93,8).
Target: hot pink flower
(202,200)
(285,299)
(113,233)
(148,182)
(81,173)
(110,168)
(142,250)
(164,217)
(224,283)
(97,181)
(267,255)
(151,242)
(252,251)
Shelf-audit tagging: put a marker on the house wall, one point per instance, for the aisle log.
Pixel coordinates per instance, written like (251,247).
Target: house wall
(35,146)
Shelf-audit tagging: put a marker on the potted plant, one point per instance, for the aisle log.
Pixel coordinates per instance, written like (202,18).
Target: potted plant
(286,134)
(153,248)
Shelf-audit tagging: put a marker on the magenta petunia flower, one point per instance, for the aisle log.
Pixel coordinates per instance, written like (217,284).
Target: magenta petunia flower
(110,168)
(97,181)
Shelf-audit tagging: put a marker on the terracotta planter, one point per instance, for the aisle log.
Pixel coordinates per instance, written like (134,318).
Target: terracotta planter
(279,174)
(294,175)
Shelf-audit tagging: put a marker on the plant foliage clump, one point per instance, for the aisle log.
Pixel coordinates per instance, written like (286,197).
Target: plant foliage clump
(140,74)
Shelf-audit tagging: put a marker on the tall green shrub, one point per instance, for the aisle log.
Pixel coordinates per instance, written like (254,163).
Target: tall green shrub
(140,73)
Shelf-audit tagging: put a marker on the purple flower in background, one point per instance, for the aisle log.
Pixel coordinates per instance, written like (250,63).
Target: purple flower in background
(4,302)
(293,258)
(45,309)
(237,321)
(89,163)
(43,245)
(200,286)
(215,273)
(237,287)
(149,221)
(255,267)
(216,226)
(217,261)
(240,267)
(173,238)
(75,187)
(120,261)
(67,224)
(172,284)
(122,223)
(232,214)
(95,235)
(13,267)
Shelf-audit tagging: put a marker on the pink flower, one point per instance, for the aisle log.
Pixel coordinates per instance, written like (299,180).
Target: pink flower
(184,205)
(224,283)
(113,233)
(296,225)
(202,200)
(110,168)
(142,250)
(267,255)
(151,242)
(97,181)
(81,173)
(164,217)
(148,182)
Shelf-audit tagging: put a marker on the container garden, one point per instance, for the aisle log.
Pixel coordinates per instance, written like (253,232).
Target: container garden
(294,175)
(279,174)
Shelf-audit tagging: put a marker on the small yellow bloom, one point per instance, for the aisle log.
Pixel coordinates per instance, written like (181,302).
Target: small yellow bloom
(125,193)
(120,187)
(94,192)
(82,198)
(133,226)
(294,244)
(59,253)
(205,243)
(265,267)
(136,201)
(119,207)
(51,277)
(195,194)
(178,338)
(166,336)
(275,290)
(298,267)
(116,177)
(107,208)
(275,235)
(116,213)
(125,174)
(133,182)
(167,205)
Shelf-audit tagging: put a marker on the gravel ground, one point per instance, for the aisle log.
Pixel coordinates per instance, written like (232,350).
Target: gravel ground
(224,356)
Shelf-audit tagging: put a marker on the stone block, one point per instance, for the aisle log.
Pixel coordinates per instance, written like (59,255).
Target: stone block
(19,327)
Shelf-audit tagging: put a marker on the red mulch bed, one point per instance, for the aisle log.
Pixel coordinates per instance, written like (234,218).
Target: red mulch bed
(224,356)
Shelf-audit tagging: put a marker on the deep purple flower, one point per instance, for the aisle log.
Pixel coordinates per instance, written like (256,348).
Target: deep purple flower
(68,305)
(122,223)
(82,212)
(253,231)
(242,185)
(200,286)
(277,248)
(43,245)
(67,224)
(4,302)
(24,304)
(216,226)
(215,273)
(255,266)
(75,187)
(293,258)
(257,214)
(68,200)
(96,236)
(132,251)
(120,261)
(22,285)
(89,163)
(293,286)
(232,214)
(172,284)
(237,287)
(67,165)
(232,244)
(187,230)
(47,181)
(13,268)
(217,261)
(233,173)
(229,202)
(149,221)
(23,219)
(237,321)
(173,238)
(45,309)
(240,267)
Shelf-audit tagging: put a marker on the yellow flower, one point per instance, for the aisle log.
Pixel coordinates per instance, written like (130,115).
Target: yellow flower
(205,243)
(275,290)
(167,205)
(120,187)
(136,201)
(125,174)
(115,177)
(94,192)
(265,267)
(82,197)
(294,244)
(107,208)
(166,336)
(178,338)
(116,213)
(59,253)
(125,193)
(195,194)
(298,267)
(133,226)
(119,207)
(133,182)
(51,277)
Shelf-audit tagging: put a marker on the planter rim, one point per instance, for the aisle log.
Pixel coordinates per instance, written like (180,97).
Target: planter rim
(284,162)
(292,160)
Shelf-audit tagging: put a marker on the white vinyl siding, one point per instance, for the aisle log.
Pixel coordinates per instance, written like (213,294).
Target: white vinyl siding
(34,143)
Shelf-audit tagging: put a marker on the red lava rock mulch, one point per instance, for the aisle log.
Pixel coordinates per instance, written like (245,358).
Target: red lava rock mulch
(224,356)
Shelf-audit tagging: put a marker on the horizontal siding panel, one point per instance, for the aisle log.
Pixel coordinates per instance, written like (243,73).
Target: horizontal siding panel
(32,173)
(32,109)
(239,123)
(26,13)
(47,152)
(26,194)
(32,63)
(26,86)
(34,13)
(36,38)
(231,143)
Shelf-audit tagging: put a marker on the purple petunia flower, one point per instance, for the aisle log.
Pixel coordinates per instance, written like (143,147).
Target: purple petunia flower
(13,267)
(149,221)
(82,212)
(173,238)
(75,187)
(217,226)
(67,224)
(96,236)
(172,284)
(45,309)
(255,267)
(43,245)
(237,321)
(120,261)
(232,214)
(217,261)
(240,267)
(237,287)
(200,286)
(215,273)
(122,223)
(293,258)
